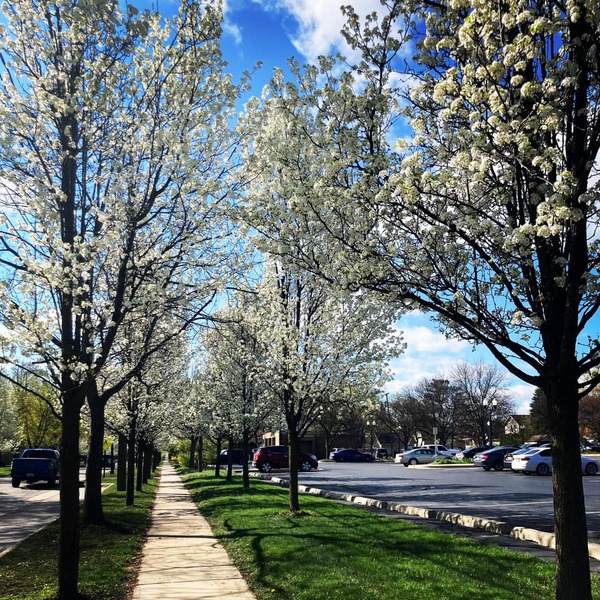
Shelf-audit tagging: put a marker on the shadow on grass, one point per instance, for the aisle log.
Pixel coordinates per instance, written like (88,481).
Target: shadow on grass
(336,551)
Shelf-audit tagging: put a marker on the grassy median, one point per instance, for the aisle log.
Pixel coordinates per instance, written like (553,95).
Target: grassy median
(108,554)
(338,552)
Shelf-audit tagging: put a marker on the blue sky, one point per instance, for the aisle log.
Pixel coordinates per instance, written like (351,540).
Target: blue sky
(272,31)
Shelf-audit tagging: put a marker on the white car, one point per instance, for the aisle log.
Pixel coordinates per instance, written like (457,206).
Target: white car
(539,460)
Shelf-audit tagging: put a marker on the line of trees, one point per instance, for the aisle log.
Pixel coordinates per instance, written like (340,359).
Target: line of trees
(120,213)
(114,236)
(457,407)
(484,218)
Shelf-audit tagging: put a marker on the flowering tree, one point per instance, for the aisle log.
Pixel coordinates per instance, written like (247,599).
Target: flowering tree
(9,430)
(191,420)
(316,343)
(489,218)
(143,410)
(115,140)
(235,356)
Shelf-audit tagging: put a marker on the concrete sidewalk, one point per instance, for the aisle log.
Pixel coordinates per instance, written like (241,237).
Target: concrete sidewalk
(181,559)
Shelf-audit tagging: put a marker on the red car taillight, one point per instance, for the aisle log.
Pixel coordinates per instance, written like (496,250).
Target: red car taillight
(485,456)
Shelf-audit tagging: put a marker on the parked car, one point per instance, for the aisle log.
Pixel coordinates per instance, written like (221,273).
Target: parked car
(351,455)
(518,460)
(333,451)
(36,464)
(439,449)
(493,458)
(540,462)
(471,452)
(237,453)
(590,447)
(508,459)
(277,457)
(418,456)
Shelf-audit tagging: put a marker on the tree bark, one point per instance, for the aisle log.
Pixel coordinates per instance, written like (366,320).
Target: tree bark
(245,469)
(192,459)
(229,476)
(140,465)
(200,453)
(93,511)
(218,466)
(69,524)
(131,447)
(148,450)
(122,464)
(294,449)
(573,580)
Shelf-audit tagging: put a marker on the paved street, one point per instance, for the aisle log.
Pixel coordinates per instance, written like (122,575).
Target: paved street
(519,499)
(26,509)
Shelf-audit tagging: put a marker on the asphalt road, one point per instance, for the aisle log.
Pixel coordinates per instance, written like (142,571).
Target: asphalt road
(517,499)
(26,509)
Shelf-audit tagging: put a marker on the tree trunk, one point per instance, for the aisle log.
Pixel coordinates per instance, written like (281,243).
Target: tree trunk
(69,526)
(245,469)
(140,465)
(148,451)
(93,511)
(122,464)
(218,466)
(131,447)
(200,453)
(229,476)
(573,580)
(191,462)
(294,448)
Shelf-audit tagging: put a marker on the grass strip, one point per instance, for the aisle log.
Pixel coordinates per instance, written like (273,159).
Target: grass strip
(336,552)
(108,553)
(5,471)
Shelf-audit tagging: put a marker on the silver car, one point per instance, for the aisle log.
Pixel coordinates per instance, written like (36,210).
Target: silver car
(419,456)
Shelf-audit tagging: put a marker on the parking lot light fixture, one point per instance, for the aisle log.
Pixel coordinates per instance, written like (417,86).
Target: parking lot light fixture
(492,408)
(371,424)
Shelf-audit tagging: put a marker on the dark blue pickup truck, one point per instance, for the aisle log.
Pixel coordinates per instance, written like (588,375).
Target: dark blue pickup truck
(36,464)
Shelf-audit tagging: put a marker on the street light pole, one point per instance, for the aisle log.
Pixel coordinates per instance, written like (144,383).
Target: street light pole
(492,407)
(389,419)
(370,424)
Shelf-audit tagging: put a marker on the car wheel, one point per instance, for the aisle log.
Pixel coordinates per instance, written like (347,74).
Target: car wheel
(51,482)
(591,469)
(487,468)
(499,466)
(413,461)
(16,482)
(542,469)
(305,466)
(266,467)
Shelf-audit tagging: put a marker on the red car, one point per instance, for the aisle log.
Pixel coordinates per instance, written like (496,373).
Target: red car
(277,457)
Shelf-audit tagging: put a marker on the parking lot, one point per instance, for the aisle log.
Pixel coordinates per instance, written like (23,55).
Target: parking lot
(518,499)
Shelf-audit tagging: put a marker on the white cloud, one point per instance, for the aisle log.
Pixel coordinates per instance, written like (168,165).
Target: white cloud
(319,23)
(430,354)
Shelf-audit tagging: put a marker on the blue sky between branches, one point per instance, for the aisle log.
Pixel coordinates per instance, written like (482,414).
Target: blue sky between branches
(271,32)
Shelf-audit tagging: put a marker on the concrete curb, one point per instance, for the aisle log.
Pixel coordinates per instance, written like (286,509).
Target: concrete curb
(541,538)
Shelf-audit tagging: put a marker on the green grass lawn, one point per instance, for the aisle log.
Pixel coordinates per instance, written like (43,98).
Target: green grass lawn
(336,552)
(108,554)
(4,471)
